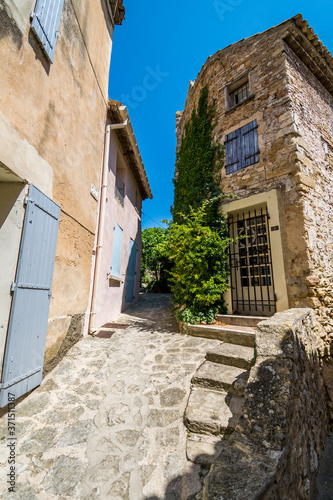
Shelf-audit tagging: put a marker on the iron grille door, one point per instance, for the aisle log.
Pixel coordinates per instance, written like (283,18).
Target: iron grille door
(130,276)
(26,335)
(250,258)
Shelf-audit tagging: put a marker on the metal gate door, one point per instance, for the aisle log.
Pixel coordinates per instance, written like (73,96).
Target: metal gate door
(130,276)
(251,270)
(25,343)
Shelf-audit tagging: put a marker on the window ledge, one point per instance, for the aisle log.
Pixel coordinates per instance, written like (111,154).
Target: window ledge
(121,203)
(248,99)
(242,168)
(115,278)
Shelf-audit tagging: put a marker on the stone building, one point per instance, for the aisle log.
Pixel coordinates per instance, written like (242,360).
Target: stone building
(55,58)
(274,95)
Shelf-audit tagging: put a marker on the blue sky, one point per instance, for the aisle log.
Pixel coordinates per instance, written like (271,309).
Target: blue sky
(161,46)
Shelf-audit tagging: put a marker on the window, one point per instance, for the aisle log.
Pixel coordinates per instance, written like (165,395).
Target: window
(116,252)
(237,92)
(119,190)
(241,147)
(239,95)
(45,23)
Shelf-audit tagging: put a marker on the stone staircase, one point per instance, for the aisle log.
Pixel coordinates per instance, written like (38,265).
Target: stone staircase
(217,387)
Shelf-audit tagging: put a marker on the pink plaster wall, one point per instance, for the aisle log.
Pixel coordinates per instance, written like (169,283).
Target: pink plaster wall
(111,294)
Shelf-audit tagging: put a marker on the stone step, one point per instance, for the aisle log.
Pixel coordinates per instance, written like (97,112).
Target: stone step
(228,333)
(212,412)
(202,449)
(222,377)
(233,355)
(236,319)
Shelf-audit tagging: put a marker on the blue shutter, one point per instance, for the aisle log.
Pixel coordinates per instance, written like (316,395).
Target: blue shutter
(130,275)
(249,144)
(116,251)
(241,147)
(26,335)
(45,23)
(232,150)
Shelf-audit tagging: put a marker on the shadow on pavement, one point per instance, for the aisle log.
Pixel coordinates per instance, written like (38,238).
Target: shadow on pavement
(157,310)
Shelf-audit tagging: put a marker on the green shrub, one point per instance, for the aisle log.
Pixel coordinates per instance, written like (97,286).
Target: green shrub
(199,274)
(154,264)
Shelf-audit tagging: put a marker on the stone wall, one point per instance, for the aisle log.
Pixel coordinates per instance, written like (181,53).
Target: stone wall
(312,108)
(274,451)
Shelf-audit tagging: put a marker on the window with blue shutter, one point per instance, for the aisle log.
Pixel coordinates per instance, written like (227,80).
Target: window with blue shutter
(45,24)
(116,251)
(241,147)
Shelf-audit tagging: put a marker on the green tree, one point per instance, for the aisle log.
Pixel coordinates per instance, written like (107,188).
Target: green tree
(198,165)
(199,274)
(154,263)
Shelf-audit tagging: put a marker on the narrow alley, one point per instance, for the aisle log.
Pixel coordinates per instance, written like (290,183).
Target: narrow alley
(107,422)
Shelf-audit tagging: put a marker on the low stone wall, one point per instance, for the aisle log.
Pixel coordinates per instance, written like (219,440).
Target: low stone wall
(275,449)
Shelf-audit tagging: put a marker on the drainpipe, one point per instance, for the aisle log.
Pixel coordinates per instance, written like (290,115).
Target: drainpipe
(100,231)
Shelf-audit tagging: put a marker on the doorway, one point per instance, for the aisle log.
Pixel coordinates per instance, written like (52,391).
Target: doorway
(250,260)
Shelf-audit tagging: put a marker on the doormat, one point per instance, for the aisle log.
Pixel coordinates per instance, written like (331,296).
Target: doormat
(104,334)
(122,326)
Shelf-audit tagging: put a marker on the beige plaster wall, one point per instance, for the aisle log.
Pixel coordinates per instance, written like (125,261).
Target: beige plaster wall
(22,160)
(111,293)
(52,120)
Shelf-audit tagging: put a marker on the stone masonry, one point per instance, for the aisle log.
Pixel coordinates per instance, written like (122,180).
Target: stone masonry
(275,450)
(291,97)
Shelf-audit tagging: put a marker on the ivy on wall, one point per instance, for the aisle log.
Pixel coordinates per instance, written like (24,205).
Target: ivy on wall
(198,165)
(197,237)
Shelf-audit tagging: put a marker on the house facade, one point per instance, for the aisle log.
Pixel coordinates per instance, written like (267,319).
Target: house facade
(274,95)
(118,243)
(55,58)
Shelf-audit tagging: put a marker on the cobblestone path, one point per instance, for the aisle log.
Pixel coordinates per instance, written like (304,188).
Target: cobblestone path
(106,423)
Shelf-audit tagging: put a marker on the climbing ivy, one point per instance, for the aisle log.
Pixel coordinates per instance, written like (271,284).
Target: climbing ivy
(198,165)
(198,241)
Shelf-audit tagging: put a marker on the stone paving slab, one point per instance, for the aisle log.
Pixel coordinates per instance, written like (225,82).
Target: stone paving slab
(224,377)
(107,422)
(203,449)
(244,336)
(212,412)
(232,354)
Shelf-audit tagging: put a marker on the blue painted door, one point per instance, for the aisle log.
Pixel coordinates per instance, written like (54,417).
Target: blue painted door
(25,344)
(130,275)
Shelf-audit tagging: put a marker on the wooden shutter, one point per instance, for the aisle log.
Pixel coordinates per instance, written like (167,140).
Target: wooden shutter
(116,251)
(27,327)
(45,23)
(232,150)
(249,144)
(241,147)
